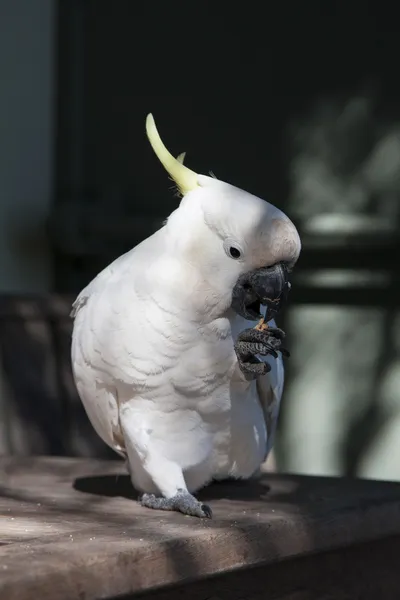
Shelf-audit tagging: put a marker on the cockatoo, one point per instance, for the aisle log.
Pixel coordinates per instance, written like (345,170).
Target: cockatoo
(171,371)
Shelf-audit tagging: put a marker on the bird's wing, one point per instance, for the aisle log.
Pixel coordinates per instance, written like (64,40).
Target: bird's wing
(270,388)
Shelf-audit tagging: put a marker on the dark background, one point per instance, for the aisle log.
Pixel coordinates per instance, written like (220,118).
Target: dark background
(224,85)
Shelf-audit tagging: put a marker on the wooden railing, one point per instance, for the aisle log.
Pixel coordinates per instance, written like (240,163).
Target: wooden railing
(40,412)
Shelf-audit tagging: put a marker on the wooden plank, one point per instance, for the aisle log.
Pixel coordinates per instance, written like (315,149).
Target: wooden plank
(384,297)
(101,233)
(363,572)
(71,528)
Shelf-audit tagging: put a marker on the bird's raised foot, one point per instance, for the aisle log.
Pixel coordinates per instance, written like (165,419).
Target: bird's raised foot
(182,502)
(251,342)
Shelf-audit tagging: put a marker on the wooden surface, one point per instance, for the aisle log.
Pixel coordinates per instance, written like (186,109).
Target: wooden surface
(70,528)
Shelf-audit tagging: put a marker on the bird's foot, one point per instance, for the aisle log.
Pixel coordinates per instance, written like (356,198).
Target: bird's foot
(251,342)
(182,502)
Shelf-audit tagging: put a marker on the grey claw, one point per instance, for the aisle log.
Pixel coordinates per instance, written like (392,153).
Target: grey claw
(253,342)
(207,512)
(182,502)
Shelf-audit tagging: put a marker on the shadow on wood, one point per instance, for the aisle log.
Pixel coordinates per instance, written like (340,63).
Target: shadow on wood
(284,537)
(121,486)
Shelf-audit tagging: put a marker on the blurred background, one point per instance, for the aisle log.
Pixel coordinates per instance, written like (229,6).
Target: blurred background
(298,104)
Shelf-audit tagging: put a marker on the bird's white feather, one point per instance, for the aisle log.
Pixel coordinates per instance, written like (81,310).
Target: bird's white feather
(153,351)
(177,377)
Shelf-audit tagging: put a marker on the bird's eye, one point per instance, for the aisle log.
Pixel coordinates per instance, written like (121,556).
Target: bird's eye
(234,252)
(233,249)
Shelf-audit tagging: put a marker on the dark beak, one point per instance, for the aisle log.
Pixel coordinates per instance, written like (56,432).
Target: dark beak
(267,286)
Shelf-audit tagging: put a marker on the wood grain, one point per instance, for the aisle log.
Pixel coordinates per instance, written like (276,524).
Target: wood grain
(70,528)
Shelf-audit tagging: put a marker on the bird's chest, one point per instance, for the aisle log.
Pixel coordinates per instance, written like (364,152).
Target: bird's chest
(205,368)
(228,408)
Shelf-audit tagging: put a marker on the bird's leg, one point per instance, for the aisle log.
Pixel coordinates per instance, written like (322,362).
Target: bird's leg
(165,475)
(168,477)
(253,341)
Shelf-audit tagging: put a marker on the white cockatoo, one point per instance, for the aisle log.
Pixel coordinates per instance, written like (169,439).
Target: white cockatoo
(166,359)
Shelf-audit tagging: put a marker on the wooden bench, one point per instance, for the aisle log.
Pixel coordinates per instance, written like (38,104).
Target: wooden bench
(71,529)
(40,411)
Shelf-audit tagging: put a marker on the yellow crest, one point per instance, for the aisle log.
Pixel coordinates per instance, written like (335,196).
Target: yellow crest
(185,178)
